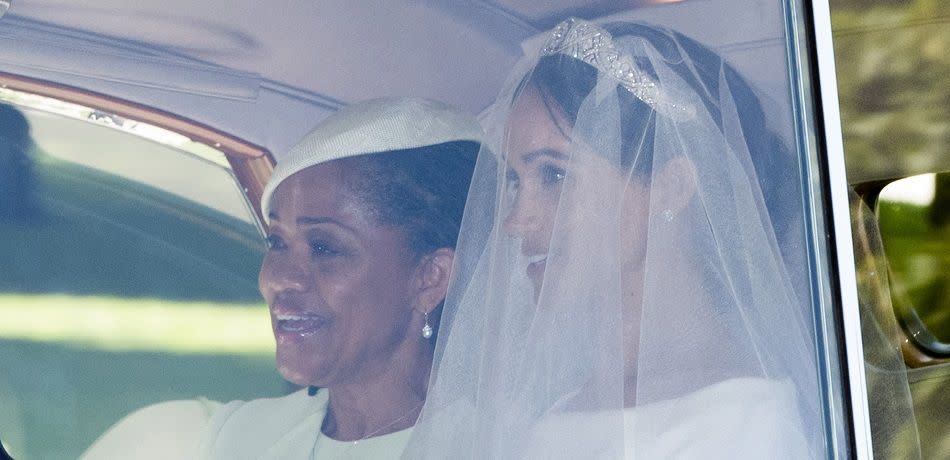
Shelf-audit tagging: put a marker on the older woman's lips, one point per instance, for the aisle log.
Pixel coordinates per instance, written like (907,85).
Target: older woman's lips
(297,324)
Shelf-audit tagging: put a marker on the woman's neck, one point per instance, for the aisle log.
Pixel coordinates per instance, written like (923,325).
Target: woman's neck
(658,299)
(385,403)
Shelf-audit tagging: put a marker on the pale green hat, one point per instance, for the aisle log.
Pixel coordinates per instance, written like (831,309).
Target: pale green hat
(374,126)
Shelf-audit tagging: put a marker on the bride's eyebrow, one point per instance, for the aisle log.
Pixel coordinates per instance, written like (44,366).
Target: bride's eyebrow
(534,155)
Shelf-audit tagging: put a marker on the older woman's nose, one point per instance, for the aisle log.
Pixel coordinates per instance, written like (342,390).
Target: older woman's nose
(280,275)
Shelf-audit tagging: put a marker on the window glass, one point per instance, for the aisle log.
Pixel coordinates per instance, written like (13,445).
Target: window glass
(892,82)
(893,74)
(128,266)
(914,217)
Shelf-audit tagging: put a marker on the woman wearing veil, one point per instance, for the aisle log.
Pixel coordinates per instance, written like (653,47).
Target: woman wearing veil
(640,291)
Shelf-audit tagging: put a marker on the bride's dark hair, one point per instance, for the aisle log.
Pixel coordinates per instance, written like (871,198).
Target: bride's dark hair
(564,83)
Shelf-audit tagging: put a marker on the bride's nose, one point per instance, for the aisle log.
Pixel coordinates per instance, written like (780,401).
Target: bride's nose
(524,218)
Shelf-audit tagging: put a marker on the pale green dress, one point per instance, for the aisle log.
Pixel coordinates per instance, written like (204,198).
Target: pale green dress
(288,428)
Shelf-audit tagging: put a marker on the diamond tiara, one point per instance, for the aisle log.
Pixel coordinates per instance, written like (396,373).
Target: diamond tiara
(593,45)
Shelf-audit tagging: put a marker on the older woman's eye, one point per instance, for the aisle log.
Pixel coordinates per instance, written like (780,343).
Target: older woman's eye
(552,174)
(274,242)
(323,249)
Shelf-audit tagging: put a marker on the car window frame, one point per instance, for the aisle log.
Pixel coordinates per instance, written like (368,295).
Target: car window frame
(251,164)
(828,211)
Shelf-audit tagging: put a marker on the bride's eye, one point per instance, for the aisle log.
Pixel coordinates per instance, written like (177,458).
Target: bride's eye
(512,181)
(551,174)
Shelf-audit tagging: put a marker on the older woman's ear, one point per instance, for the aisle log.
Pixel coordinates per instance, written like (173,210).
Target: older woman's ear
(432,279)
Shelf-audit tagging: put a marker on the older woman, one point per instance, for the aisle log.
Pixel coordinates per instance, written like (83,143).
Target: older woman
(640,293)
(363,216)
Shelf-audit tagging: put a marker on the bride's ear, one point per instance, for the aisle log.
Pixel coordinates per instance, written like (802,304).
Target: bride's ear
(676,183)
(431,279)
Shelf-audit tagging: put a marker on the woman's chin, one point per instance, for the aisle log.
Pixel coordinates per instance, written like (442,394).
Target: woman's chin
(298,371)
(292,375)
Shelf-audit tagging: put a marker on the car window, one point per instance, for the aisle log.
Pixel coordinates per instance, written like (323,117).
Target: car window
(128,267)
(893,84)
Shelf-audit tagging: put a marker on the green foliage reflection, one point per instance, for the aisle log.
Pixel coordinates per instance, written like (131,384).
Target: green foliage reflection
(917,243)
(894,86)
(894,93)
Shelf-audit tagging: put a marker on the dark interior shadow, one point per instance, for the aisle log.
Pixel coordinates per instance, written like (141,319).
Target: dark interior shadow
(3,453)
(17,180)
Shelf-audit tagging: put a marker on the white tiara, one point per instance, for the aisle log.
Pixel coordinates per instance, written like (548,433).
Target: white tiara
(593,45)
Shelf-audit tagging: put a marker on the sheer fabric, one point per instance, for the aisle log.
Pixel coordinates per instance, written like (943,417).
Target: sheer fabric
(894,431)
(629,275)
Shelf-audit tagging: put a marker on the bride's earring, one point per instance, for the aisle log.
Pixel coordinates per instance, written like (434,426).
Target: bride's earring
(668,215)
(427,329)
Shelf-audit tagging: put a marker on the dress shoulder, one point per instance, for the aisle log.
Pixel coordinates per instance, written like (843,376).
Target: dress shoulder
(735,418)
(171,429)
(264,428)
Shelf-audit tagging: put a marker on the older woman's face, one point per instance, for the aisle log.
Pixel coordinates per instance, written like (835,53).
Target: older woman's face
(337,283)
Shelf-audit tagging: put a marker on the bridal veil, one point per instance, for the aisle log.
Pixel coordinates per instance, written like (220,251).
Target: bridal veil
(630,277)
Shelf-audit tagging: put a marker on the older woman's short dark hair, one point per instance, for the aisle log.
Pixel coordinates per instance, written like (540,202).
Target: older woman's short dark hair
(422,190)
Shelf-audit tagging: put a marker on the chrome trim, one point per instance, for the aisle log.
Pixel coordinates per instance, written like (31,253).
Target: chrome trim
(841,224)
(831,372)
(821,263)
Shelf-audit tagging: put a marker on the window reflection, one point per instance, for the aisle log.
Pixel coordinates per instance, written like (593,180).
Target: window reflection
(892,82)
(915,228)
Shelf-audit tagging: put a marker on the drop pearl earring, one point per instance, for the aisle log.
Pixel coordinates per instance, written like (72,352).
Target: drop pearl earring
(427,329)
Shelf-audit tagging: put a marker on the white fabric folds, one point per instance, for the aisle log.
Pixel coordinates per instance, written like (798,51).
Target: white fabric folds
(630,274)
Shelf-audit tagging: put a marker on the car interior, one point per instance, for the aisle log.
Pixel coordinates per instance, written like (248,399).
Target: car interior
(153,129)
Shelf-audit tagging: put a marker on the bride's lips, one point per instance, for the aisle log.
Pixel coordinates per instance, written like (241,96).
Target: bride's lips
(536,265)
(298,324)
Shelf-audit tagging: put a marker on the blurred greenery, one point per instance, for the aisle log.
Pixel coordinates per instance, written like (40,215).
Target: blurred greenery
(102,234)
(893,72)
(129,324)
(57,398)
(918,252)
